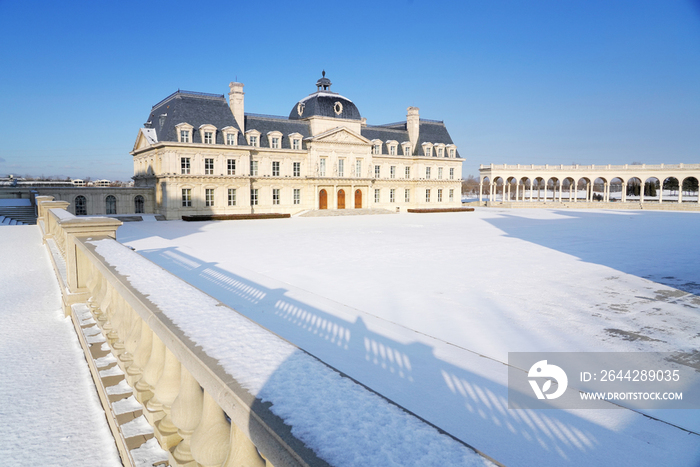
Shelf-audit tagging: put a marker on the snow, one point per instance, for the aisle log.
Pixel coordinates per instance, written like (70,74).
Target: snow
(424,309)
(136,427)
(324,408)
(50,414)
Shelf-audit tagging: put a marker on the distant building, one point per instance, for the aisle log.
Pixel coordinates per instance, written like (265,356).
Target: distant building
(204,155)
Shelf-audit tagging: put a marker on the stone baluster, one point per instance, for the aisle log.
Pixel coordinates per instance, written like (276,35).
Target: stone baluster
(119,312)
(99,296)
(243,452)
(105,306)
(131,343)
(211,439)
(141,355)
(152,372)
(186,412)
(164,394)
(126,329)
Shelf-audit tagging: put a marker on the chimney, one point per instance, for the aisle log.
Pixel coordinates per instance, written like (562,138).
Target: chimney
(235,101)
(412,125)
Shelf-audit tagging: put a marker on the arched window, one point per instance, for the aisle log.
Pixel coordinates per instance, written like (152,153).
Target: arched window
(80,206)
(138,204)
(111,204)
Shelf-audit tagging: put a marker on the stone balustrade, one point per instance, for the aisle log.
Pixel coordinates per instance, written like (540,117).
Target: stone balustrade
(148,372)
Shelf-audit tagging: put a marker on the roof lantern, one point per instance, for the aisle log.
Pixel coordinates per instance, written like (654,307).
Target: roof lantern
(323,84)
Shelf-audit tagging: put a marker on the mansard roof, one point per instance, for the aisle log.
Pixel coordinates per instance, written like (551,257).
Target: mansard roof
(194,108)
(429,131)
(267,123)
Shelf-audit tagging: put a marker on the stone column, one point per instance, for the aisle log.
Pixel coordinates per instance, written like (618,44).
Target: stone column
(623,196)
(151,373)
(481,188)
(517,191)
(165,393)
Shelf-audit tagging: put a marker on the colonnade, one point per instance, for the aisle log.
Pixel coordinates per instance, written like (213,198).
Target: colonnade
(546,182)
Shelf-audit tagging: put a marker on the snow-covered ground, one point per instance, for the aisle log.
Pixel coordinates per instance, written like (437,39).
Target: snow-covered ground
(424,308)
(50,414)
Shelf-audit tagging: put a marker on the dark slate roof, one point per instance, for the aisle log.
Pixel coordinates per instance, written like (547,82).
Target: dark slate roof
(322,104)
(267,123)
(429,131)
(196,109)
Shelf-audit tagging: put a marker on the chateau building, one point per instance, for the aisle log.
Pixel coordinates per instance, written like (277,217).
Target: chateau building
(204,155)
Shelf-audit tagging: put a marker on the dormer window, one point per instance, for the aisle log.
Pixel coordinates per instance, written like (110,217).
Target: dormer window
(406,149)
(207,133)
(230,135)
(427,149)
(253,137)
(376,147)
(184,132)
(275,139)
(439,150)
(392,147)
(451,150)
(295,140)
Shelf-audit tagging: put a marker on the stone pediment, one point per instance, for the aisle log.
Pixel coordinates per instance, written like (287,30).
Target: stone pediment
(340,135)
(145,138)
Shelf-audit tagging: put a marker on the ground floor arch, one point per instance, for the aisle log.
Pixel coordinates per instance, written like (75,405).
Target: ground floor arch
(323,199)
(358,199)
(341,199)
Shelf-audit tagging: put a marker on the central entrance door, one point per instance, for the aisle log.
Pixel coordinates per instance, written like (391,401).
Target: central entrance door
(341,199)
(323,200)
(358,199)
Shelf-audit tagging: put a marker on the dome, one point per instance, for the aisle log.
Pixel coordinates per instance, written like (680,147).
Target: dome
(324,103)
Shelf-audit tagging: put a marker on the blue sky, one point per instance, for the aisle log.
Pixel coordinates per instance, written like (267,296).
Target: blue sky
(558,82)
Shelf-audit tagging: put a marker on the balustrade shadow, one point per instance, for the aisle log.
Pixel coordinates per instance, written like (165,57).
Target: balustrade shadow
(629,242)
(467,405)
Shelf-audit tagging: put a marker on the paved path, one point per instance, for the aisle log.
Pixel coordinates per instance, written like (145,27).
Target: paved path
(344,212)
(50,414)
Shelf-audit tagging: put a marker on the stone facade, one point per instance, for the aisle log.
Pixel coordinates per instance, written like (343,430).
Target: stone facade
(204,155)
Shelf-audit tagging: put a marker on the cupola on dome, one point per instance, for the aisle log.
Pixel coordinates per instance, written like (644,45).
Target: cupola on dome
(324,103)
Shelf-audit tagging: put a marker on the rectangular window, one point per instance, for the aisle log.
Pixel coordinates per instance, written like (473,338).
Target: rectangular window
(275,196)
(392,171)
(230,139)
(407,172)
(254,197)
(376,195)
(452,173)
(208,137)
(358,168)
(184,136)
(428,151)
(427,173)
(377,149)
(407,150)
(377,171)
(254,168)
(297,169)
(253,140)
(185,165)
(297,196)
(322,168)
(186,197)
(231,164)
(209,197)
(296,144)
(452,194)
(392,150)
(427,195)
(439,200)
(452,152)
(407,195)
(341,167)
(439,152)
(392,195)
(208,166)
(231,196)
(439,173)
(275,143)
(275,168)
